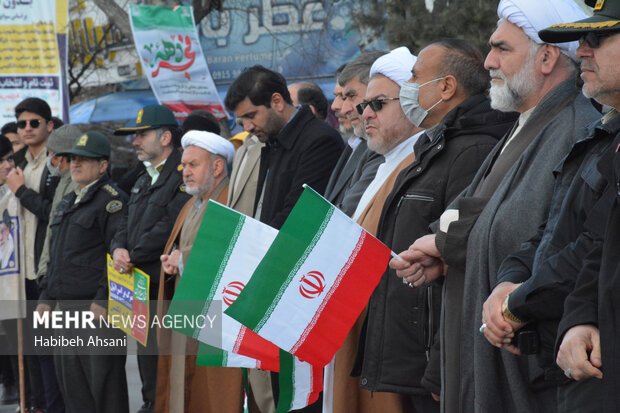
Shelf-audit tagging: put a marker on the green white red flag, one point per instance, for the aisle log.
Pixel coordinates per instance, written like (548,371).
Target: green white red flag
(313,282)
(300,383)
(227,249)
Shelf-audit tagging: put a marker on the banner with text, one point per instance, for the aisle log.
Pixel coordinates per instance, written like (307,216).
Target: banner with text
(167,43)
(30,63)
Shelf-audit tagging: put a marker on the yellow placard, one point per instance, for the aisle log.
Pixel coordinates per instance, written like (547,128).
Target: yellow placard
(128,301)
(28,49)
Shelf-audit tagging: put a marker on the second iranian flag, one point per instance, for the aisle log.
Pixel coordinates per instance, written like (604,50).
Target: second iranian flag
(314,281)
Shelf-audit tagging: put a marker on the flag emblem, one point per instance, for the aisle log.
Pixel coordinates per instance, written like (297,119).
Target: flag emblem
(231,292)
(312,284)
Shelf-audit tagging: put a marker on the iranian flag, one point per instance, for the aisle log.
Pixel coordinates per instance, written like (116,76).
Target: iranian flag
(300,383)
(213,356)
(227,250)
(313,282)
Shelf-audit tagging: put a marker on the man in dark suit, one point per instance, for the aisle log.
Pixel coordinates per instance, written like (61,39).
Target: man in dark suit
(357,165)
(300,149)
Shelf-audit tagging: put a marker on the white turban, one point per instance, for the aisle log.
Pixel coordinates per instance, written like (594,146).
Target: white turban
(535,15)
(209,141)
(395,65)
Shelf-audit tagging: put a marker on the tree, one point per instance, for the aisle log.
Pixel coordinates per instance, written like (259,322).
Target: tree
(410,23)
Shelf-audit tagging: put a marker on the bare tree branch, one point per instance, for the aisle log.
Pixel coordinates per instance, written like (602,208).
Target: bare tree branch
(75,85)
(116,15)
(201,10)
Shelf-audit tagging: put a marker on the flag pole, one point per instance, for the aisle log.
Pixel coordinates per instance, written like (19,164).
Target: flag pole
(20,359)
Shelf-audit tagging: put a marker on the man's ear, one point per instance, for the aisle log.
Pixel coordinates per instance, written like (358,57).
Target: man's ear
(549,58)
(219,166)
(166,138)
(448,85)
(103,166)
(277,102)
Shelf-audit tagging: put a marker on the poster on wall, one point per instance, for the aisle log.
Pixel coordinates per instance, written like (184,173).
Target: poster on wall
(30,63)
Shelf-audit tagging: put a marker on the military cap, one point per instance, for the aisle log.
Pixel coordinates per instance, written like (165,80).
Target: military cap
(150,117)
(90,145)
(605,20)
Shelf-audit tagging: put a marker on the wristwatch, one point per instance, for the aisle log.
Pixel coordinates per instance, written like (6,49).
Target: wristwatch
(507,314)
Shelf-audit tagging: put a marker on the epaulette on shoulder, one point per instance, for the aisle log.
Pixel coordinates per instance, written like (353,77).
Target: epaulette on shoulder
(110,190)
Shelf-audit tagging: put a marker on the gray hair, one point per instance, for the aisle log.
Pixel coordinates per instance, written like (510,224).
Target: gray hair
(359,67)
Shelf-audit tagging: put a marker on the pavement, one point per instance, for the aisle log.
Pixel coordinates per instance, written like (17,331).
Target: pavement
(133,383)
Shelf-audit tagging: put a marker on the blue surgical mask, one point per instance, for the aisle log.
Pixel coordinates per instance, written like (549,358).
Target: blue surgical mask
(409,94)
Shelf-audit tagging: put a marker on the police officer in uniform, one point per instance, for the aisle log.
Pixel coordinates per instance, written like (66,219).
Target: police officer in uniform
(82,228)
(154,204)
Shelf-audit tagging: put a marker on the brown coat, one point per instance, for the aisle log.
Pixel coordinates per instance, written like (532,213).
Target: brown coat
(348,396)
(206,389)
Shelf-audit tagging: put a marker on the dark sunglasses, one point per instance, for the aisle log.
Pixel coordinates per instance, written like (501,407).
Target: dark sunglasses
(594,39)
(34,123)
(376,105)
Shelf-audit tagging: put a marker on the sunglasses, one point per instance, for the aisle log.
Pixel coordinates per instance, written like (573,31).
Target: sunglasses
(594,39)
(376,105)
(34,123)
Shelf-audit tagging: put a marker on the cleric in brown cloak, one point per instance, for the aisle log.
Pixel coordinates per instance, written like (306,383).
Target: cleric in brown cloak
(182,386)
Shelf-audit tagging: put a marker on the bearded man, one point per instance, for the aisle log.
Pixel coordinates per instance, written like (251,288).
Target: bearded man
(183,386)
(506,203)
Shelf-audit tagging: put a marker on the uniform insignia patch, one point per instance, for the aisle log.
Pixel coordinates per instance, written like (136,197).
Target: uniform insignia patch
(114,206)
(599,5)
(111,190)
(180,167)
(82,141)
(183,188)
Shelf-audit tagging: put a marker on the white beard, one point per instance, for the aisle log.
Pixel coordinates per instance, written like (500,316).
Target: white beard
(510,96)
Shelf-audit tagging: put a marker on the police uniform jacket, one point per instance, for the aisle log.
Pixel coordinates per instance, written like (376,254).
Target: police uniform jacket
(150,215)
(594,300)
(549,263)
(81,236)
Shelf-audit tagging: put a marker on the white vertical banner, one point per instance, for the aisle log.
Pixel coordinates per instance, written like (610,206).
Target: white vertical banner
(167,42)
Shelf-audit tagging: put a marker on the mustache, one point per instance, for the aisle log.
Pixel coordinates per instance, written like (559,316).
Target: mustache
(497,73)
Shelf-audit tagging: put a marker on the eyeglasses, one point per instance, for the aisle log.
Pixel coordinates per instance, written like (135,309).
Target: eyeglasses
(594,39)
(376,105)
(34,123)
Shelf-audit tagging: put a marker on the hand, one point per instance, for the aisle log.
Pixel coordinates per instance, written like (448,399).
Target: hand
(15,179)
(421,263)
(43,308)
(122,262)
(171,262)
(99,311)
(426,245)
(573,353)
(499,330)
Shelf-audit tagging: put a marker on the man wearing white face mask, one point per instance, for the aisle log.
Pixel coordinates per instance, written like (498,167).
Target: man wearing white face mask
(450,81)
(508,200)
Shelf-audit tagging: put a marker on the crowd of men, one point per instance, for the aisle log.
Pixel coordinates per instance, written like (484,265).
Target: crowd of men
(496,180)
